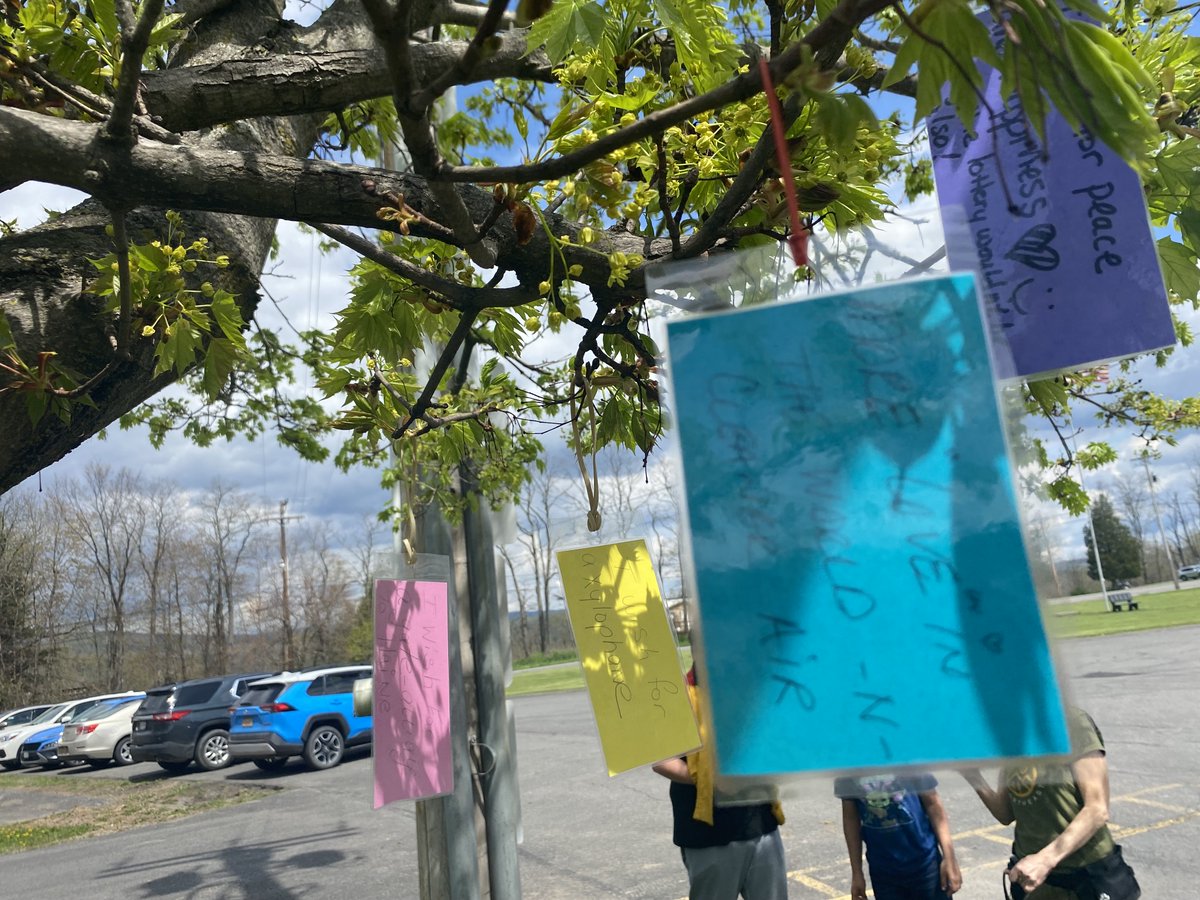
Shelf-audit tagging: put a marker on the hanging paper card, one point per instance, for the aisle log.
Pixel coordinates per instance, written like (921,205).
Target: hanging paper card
(1059,236)
(864,594)
(627,649)
(412,691)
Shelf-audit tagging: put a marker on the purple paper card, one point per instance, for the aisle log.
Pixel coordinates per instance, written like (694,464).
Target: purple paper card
(1059,237)
(412,691)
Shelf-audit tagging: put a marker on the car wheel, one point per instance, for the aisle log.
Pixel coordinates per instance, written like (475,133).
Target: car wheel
(175,768)
(324,747)
(212,752)
(122,755)
(271,763)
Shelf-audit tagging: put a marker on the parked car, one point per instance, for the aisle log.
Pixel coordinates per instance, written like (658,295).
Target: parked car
(41,749)
(1187,573)
(178,724)
(309,714)
(17,745)
(101,735)
(23,716)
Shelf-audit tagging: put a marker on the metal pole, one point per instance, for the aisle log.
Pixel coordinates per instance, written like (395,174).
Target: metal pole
(1095,541)
(288,643)
(1162,535)
(496,757)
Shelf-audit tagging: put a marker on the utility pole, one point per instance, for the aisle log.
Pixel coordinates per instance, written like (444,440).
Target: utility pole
(289,644)
(1162,535)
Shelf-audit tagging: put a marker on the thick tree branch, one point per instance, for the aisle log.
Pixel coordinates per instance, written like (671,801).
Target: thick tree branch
(275,187)
(316,80)
(469,14)
(192,11)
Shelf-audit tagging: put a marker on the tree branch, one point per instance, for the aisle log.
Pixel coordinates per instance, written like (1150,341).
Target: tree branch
(463,297)
(393,29)
(134,41)
(825,42)
(315,80)
(461,332)
(465,64)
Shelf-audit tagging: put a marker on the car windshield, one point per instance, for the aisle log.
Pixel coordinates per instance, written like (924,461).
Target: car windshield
(50,715)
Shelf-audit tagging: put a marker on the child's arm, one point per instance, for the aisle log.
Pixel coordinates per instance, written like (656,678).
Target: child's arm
(951,877)
(674,769)
(996,801)
(852,829)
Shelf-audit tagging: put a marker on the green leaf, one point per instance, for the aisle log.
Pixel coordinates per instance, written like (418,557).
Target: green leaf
(229,317)
(1050,393)
(1179,268)
(568,24)
(219,361)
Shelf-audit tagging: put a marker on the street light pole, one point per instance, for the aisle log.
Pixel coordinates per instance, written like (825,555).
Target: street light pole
(1095,540)
(1162,535)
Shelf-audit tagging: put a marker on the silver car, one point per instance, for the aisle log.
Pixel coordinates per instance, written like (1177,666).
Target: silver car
(101,735)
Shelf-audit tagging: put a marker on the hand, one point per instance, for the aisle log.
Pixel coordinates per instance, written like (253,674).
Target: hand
(1029,872)
(951,876)
(858,886)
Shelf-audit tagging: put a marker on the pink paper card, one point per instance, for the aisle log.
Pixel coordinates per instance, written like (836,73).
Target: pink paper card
(412,691)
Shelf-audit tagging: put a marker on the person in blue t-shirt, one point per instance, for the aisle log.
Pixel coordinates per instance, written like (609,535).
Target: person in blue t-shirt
(901,820)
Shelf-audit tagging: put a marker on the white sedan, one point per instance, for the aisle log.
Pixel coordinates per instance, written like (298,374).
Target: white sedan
(101,735)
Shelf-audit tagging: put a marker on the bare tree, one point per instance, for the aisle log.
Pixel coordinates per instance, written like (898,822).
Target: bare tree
(325,584)
(107,519)
(538,515)
(1132,497)
(228,521)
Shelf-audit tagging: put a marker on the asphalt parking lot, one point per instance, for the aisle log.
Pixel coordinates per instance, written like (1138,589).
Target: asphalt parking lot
(589,836)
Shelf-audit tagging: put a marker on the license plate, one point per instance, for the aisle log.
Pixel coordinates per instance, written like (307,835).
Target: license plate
(247,721)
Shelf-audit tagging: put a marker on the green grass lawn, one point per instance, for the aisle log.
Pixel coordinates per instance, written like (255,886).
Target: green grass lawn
(561,678)
(1090,618)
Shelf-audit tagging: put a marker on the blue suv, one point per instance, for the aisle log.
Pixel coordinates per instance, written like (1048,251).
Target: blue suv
(309,714)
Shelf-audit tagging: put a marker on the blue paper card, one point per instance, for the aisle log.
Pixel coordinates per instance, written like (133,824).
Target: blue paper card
(1059,234)
(864,594)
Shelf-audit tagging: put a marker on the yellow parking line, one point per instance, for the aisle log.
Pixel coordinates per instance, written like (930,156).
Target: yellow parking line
(827,889)
(1154,826)
(979,832)
(1150,790)
(1169,807)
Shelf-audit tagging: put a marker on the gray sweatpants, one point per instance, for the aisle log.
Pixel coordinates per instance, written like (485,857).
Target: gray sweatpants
(752,869)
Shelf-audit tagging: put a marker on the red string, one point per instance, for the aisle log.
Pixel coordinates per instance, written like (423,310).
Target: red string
(798,239)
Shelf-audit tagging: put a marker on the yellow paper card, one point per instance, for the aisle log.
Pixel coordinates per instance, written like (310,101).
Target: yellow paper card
(627,649)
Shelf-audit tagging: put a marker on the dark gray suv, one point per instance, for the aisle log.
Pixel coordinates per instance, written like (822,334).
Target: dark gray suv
(178,724)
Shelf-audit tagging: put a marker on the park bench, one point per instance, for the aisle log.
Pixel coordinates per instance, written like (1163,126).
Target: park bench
(1118,598)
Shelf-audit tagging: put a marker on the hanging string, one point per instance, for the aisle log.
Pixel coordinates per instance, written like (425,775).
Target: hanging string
(798,237)
(591,486)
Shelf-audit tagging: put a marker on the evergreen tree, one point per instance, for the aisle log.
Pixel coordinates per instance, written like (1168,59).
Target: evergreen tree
(1120,554)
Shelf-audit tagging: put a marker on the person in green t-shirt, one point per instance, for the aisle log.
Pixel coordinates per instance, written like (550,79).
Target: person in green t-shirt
(1060,810)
